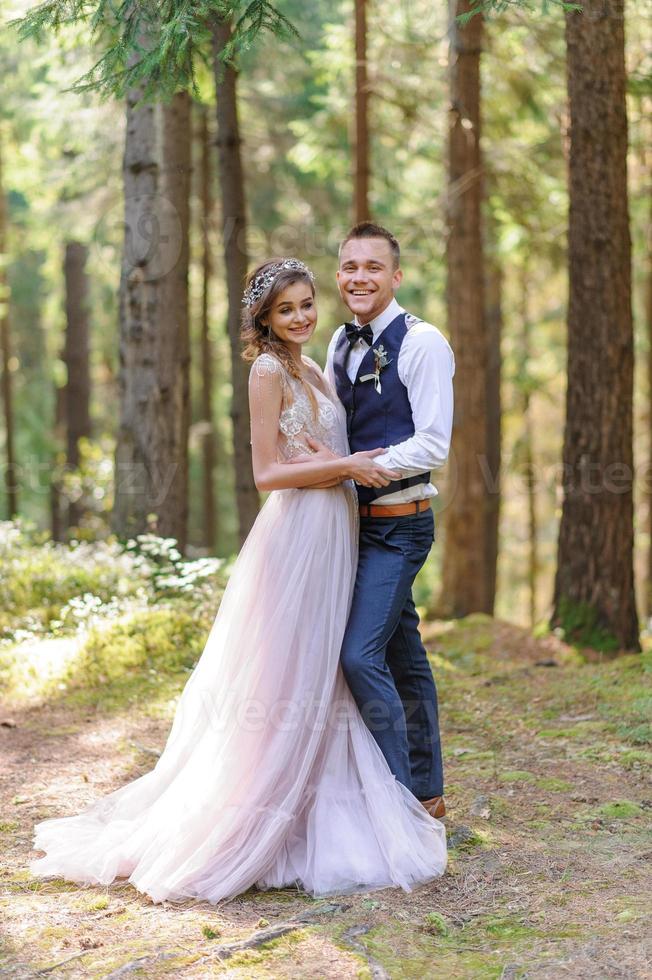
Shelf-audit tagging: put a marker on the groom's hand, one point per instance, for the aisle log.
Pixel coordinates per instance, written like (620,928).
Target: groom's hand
(361,468)
(366,472)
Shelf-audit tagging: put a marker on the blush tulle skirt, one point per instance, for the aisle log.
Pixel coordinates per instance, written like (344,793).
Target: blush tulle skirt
(269,776)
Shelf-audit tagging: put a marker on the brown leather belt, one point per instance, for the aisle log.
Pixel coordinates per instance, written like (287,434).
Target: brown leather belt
(394,510)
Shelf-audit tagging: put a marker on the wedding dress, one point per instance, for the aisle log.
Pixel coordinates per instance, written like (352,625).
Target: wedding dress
(269,776)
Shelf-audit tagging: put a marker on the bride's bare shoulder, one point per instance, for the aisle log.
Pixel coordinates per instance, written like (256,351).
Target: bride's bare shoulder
(266,365)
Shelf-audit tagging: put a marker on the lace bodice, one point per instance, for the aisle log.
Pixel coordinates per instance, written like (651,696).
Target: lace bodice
(298,418)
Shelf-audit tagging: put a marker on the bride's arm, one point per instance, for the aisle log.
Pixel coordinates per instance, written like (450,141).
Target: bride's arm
(265,399)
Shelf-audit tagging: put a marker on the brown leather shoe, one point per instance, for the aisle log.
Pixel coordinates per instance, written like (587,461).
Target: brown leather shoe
(435,807)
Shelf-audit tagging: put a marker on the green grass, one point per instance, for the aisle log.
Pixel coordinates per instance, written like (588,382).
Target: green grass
(51,589)
(145,657)
(101,623)
(560,860)
(580,624)
(554,785)
(436,924)
(517,776)
(620,810)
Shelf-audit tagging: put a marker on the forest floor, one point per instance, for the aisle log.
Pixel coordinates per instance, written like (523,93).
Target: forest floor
(550,874)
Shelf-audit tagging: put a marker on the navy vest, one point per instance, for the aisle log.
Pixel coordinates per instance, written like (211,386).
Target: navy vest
(375,419)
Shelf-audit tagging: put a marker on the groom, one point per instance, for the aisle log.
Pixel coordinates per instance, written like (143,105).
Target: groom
(393,374)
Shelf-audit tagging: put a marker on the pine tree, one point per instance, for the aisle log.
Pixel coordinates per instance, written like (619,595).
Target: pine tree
(10,476)
(464,576)
(209,438)
(361,114)
(494,323)
(151,452)
(236,262)
(77,359)
(149,53)
(594,597)
(179,36)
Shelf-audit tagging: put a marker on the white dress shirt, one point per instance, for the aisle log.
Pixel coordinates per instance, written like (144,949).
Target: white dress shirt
(426,366)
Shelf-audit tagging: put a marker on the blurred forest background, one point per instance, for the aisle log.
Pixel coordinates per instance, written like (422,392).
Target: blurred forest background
(350,118)
(511,155)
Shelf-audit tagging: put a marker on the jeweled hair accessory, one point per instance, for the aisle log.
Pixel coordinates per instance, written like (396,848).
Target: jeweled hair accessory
(264,280)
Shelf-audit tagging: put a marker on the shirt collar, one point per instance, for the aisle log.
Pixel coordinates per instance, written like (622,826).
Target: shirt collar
(383,320)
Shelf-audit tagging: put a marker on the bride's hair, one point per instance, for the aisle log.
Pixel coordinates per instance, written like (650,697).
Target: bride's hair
(261,339)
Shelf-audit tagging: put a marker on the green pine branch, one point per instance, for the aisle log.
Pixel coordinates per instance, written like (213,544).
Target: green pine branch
(488,7)
(153,45)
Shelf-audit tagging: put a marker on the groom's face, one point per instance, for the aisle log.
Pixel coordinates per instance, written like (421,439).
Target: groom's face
(367,278)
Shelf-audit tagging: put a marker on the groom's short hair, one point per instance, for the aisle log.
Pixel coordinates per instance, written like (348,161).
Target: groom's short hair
(368,229)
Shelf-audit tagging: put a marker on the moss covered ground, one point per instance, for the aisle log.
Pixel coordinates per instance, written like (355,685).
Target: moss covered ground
(548,752)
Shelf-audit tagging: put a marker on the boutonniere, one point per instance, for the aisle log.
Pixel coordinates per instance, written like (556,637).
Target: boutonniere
(380,361)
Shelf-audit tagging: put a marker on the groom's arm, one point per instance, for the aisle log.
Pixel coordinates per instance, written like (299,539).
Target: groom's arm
(426,367)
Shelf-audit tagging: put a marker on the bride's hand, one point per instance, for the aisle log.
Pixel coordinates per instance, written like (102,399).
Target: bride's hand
(359,467)
(319,453)
(362,468)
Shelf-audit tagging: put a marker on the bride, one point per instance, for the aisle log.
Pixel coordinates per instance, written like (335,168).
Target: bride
(269,776)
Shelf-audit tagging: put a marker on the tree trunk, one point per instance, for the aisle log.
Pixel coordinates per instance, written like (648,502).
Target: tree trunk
(11,475)
(151,454)
(594,597)
(647,484)
(361,114)
(236,261)
(529,474)
(465,574)
(494,321)
(56,516)
(208,441)
(77,361)
(648,481)
(175,187)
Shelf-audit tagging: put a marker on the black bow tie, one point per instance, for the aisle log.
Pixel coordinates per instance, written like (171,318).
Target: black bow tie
(355,333)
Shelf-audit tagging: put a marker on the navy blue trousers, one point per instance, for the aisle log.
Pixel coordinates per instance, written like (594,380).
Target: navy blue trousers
(383,658)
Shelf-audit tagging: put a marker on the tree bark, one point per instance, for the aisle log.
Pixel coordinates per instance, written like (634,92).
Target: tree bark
(151,454)
(648,322)
(175,188)
(361,114)
(594,597)
(494,322)
(209,446)
(234,224)
(10,470)
(57,528)
(465,573)
(77,360)
(527,439)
